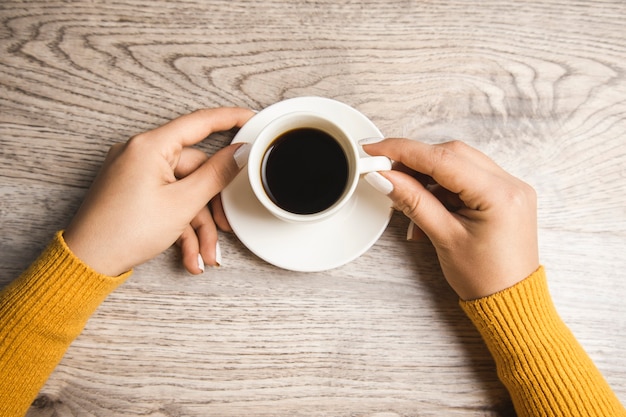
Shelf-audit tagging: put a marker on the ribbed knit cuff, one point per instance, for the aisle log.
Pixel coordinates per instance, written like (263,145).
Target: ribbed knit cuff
(41,313)
(60,286)
(543,366)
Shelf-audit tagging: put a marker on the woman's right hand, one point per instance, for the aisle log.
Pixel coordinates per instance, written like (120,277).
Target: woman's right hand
(481,220)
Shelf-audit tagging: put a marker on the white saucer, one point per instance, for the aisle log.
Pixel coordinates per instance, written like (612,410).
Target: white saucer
(319,246)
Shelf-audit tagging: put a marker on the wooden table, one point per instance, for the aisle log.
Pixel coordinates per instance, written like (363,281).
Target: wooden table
(539,86)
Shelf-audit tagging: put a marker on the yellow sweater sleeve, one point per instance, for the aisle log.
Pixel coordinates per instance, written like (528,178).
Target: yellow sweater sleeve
(544,368)
(540,362)
(41,313)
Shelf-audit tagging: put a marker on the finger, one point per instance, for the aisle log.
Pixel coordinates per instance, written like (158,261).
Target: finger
(190,160)
(414,233)
(219,217)
(422,207)
(199,187)
(450,200)
(206,233)
(424,179)
(192,128)
(189,247)
(456,166)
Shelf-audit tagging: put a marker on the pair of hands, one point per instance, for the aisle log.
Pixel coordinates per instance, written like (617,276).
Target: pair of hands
(153,191)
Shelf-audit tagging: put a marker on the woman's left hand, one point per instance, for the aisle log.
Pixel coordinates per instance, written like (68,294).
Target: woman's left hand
(153,191)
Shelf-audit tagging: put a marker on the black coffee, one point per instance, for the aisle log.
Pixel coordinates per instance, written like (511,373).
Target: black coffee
(304,171)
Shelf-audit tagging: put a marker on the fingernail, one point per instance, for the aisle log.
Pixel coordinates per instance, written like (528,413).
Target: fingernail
(218,254)
(241,155)
(409,231)
(369,141)
(380,183)
(200,263)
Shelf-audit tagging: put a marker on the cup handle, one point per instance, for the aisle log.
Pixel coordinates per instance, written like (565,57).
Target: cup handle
(374,163)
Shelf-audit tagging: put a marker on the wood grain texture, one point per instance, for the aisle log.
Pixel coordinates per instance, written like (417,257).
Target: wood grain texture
(539,86)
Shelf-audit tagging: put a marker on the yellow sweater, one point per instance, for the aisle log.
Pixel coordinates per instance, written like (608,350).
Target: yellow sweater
(544,368)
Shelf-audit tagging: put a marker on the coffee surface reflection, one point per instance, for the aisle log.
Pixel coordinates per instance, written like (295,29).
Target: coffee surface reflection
(305,171)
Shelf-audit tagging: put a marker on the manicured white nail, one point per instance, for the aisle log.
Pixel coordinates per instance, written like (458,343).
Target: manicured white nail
(409,231)
(218,254)
(369,141)
(200,263)
(380,183)
(241,155)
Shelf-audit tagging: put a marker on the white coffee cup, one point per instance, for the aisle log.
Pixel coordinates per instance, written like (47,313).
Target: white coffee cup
(293,131)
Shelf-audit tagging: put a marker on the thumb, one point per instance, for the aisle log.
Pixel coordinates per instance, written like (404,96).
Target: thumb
(209,179)
(421,206)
